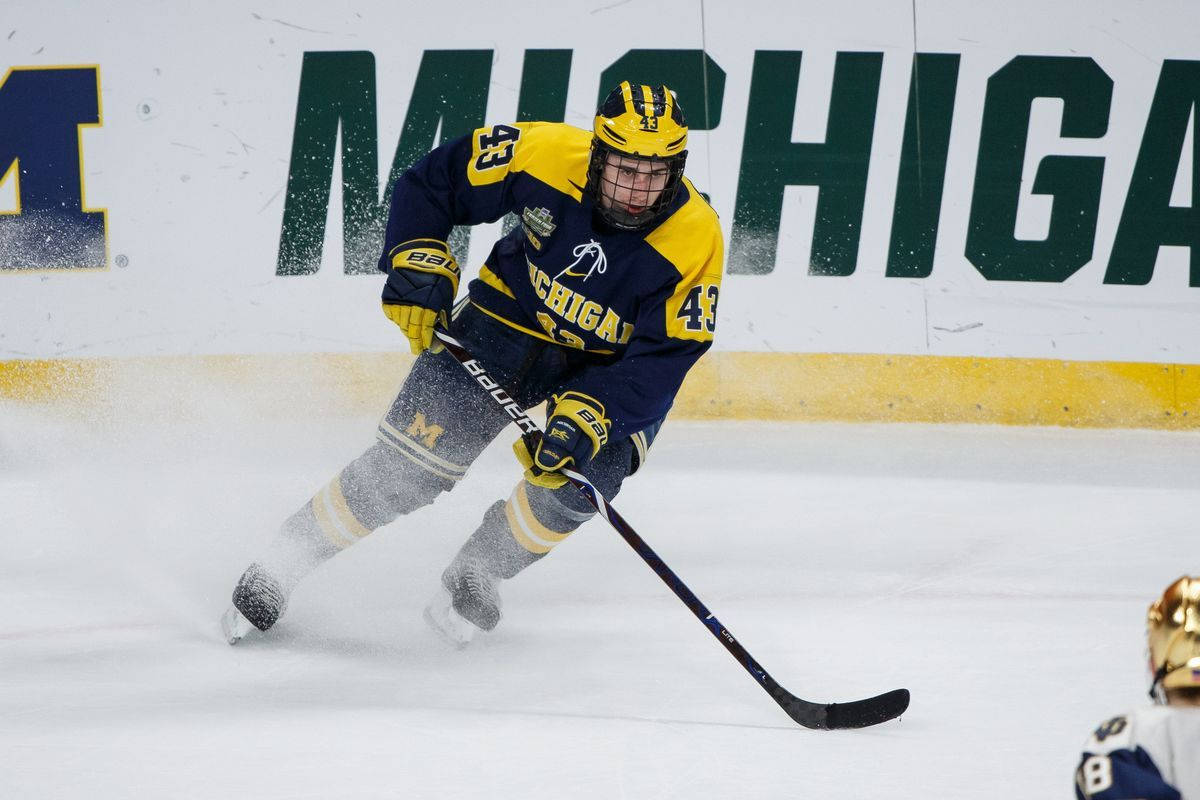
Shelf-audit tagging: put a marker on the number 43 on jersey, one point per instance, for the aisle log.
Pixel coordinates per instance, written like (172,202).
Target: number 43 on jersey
(697,315)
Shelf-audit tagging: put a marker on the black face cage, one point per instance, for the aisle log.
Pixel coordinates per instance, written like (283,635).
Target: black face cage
(617,216)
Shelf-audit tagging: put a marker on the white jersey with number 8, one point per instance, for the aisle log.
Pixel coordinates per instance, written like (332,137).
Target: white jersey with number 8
(1151,753)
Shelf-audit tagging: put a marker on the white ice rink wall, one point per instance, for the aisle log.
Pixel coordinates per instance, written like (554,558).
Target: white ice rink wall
(933,210)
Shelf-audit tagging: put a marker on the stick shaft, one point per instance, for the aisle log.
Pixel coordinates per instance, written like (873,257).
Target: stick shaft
(598,501)
(855,714)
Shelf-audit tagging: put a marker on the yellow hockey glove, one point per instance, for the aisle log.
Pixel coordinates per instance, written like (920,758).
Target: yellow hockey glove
(420,290)
(547,480)
(417,324)
(575,431)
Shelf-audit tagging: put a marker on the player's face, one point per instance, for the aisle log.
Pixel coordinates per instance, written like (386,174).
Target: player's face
(632,184)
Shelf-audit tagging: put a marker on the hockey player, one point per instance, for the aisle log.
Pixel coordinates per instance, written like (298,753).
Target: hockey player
(1154,752)
(599,301)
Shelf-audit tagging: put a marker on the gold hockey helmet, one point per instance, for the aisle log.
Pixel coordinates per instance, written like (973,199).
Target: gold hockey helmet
(1173,631)
(640,133)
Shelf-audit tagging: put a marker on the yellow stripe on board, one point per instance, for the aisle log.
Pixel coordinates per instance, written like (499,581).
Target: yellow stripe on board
(789,386)
(1004,391)
(310,384)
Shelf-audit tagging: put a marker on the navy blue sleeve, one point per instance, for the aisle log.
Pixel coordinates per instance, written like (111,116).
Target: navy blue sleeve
(465,181)
(638,390)
(1121,775)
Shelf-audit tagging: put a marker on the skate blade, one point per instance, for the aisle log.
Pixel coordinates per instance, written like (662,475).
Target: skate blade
(235,626)
(448,623)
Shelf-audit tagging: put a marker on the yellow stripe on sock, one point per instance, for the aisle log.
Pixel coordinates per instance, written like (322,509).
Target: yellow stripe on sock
(342,509)
(335,536)
(519,533)
(525,512)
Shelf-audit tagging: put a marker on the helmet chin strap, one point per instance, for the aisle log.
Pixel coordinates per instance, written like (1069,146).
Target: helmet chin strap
(1158,692)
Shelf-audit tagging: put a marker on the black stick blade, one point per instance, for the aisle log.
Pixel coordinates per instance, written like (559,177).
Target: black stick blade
(862,713)
(835,716)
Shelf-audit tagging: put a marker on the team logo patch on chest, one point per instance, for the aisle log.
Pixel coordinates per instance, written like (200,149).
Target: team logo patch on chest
(539,221)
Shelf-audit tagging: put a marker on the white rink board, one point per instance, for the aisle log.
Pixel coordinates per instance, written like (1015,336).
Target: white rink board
(199,106)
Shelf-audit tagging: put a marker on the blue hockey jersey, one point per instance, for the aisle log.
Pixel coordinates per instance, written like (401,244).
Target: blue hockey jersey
(642,303)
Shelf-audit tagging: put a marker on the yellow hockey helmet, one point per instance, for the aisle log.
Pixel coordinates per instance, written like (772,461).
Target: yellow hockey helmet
(640,135)
(1173,631)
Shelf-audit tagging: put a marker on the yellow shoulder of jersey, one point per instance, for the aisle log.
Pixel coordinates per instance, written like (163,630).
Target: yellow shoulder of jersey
(552,152)
(691,240)
(556,154)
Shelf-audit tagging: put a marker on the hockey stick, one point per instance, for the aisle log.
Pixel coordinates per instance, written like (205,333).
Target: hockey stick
(855,714)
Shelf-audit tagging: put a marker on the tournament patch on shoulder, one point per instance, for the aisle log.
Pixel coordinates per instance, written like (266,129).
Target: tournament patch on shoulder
(539,221)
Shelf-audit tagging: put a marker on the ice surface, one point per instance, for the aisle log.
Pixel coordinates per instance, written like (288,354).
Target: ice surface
(1000,574)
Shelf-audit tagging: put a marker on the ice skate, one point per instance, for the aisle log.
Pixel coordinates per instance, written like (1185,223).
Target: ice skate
(448,623)
(258,601)
(466,603)
(234,626)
